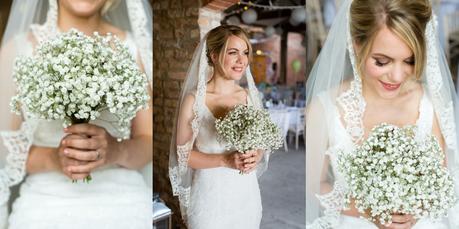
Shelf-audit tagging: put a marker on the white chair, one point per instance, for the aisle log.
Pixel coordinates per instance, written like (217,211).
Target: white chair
(281,118)
(296,125)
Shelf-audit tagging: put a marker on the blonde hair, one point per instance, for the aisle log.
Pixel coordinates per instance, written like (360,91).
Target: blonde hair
(406,18)
(217,43)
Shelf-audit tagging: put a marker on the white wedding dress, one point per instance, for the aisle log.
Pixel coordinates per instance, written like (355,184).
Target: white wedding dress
(221,197)
(116,198)
(340,140)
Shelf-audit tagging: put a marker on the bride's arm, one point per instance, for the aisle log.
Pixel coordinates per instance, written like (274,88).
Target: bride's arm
(42,159)
(200,160)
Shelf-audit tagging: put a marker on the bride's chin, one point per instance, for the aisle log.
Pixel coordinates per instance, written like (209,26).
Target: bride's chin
(388,94)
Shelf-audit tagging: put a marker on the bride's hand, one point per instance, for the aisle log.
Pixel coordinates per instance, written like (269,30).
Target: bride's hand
(66,162)
(399,221)
(96,149)
(233,160)
(251,159)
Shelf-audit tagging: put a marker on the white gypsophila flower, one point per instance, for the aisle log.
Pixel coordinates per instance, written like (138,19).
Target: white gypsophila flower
(75,77)
(246,128)
(393,173)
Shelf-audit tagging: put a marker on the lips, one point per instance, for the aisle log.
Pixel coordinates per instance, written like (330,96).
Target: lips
(237,69)
(390,87)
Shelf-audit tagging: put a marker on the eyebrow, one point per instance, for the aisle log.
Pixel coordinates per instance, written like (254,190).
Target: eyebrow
(236,49)
(388,57)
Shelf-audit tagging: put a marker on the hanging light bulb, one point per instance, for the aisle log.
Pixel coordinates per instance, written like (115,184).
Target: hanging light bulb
(293,21)
(249,16)
(269,31)
(298,15)
(233,20)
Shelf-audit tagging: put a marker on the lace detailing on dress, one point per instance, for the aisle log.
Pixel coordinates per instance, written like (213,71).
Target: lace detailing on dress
(183,153)
(179,190)
(143,39)
(49,28)
(333,202)
(17,144)
(351,101)
(353,106)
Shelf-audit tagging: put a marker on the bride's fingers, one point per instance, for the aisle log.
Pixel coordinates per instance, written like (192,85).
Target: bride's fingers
(250,160)
(73,162)
(81,155)
(406,225)
(249,154)
(86,143)
(401,218)
(85,168)
(250,168)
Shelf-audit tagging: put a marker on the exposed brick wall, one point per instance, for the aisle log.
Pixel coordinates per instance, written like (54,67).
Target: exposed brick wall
(176,35)
(295,51)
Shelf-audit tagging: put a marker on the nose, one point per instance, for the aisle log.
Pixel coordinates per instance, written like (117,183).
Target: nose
(397,74)
(241,58)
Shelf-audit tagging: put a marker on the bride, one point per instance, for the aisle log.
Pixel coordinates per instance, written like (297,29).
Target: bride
(118,196)
(203,173)
(390,69)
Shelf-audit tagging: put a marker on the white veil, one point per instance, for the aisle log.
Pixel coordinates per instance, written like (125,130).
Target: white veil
(199,73)
(329,78)
(38,18)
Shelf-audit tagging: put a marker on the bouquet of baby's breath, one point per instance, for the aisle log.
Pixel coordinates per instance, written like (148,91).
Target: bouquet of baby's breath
(391,172)
(246,128)
(74,77)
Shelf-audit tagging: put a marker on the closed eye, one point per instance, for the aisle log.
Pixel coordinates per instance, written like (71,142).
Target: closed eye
(380,63)
(410,62)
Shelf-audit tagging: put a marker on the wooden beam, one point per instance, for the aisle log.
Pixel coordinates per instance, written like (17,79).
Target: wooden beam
(218,5)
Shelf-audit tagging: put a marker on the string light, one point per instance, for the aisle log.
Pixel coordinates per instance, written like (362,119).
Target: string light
(270,6)
(248,4)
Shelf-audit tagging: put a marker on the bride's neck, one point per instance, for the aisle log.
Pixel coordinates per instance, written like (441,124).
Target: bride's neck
(220,85)
(87,25)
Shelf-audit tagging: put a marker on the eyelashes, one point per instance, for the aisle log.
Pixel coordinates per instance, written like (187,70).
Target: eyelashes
(382,64)
(235,53)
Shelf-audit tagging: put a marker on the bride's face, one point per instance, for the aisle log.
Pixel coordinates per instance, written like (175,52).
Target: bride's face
(82,8)
(389,65)
(236,58)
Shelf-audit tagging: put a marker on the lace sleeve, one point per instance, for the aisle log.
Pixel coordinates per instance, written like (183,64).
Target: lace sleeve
(17,145)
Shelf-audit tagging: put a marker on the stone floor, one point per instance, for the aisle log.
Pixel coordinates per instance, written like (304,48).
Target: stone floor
(283,190)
